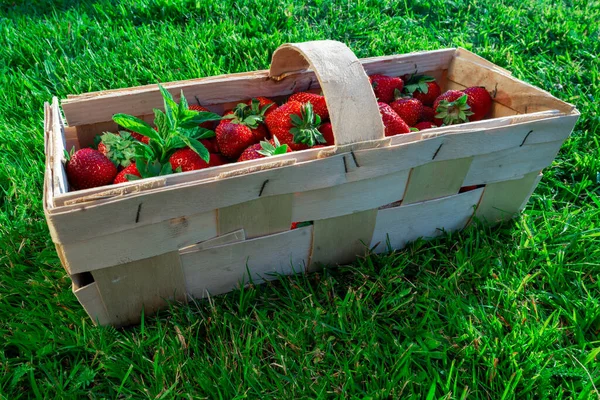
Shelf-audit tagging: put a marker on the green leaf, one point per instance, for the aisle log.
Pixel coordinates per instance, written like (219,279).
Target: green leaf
(166,169)
(135,124)
(183,106)
(160,120)
(281,150)
(199,117)
(170,106)
(296,120)
(197,147)
(129,177)
(423,87)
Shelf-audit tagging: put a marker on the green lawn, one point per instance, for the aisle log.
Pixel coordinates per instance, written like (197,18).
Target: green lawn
(505,312)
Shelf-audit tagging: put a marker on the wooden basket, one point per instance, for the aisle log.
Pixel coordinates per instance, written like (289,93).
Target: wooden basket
(134,245)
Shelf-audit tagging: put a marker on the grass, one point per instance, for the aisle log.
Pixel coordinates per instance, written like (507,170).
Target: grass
(505,312)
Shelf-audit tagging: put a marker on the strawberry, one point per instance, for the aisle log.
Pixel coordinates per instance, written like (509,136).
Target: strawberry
(425,125)
(296,125)
(480,102)
(120,148)
(140,138)
(394,125)
(408,109)
(386,87)
(452,108)
(188,160)
(197,107)
(427,115)
(88,168)
(126,174)
(327,133)
(293,226)
(317,101)
(264,149)
(262,103)
(211,145)
(423,88)
(233,138)
(467,188)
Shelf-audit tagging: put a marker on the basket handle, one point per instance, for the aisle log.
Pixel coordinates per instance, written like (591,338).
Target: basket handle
(352,106)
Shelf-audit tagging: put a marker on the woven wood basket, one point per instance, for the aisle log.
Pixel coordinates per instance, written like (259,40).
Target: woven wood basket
(138,244)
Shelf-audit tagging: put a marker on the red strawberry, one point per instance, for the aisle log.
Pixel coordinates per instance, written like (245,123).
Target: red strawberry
(264,149)
(327,132)
(423,88)
(427,115)
(480,102)
(188,160)
(211,145)
(89,168)
(130,170)
(139,137)
(317,101)
(197,107)
(467,188)
(296,125)
(102,148)
(394,125)
(233,138)
(262,102)
(408,109)
(294,225)
(452,108)
(425,125)
(217,159)
(385,87)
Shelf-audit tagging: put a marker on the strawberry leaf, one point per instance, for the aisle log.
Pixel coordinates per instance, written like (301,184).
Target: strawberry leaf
(281,150)
(135,124)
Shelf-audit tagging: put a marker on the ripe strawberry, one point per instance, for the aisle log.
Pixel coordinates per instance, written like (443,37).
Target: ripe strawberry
(140,138)
(394,125)
(262,103)
(317,101)
(467,188)
(197,107)
(425,125)
(452,108)
(130,170)
(480,102)
(211,145)
(233,138)
(88,168)
(296,125)
(293,226)
(427,115)
(327,133)
(423,88)
(408,109)
(264,149)
(188,160)
(386,87)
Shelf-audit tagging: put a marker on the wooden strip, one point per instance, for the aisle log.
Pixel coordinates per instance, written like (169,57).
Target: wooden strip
(138,243)
(59,179)
(436,179)
(221,269)
(340,240)
(260,217)
(511,163)
(146,284)
(229,238)
(349,198)
(502,200)
(398,226)
(89,297)
(511,92)
(97,107)
(352,105)
(460,52)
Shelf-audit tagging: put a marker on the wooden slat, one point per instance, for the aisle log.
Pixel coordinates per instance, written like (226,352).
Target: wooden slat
(340,240)
(138,243)
(229,238)
(146,284)
(59,178)
(436,179)
(463,53)
(221,269)
(349,198)
(511,92)
(502,200)
(89,297)
(260,217)
(511,163)
(400,225)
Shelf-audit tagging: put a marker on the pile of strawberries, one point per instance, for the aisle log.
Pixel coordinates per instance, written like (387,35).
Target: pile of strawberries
(190,137)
